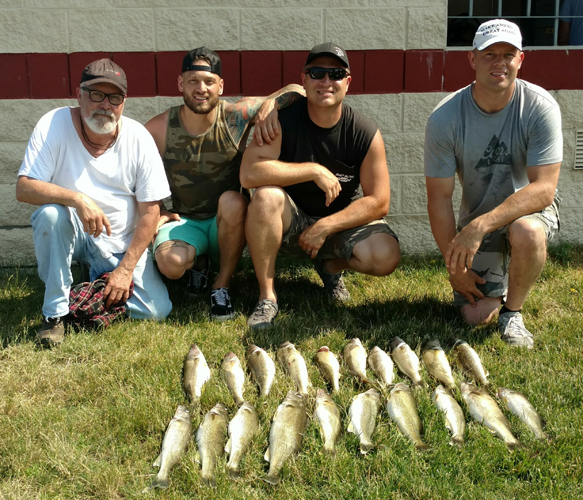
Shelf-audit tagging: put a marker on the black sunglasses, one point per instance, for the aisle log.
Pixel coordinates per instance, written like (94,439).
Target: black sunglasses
(336,74)
(98,96)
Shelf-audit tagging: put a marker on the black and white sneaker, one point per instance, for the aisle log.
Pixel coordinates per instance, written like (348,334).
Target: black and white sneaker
(221,307)
(198,279)
(333,283)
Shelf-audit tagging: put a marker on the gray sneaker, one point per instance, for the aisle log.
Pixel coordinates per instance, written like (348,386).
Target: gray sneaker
(265,312)
(198,279)
(513,331)
(51,333)
(333,283)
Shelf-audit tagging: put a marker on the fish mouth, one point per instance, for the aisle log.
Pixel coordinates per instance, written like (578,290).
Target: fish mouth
(396,342)
(458,342)
(431,344)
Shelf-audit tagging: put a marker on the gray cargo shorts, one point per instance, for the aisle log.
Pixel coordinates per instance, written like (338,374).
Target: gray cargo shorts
(492,259)
(338,245)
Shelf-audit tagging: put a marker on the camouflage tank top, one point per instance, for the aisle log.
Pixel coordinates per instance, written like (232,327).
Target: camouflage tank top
(201,168)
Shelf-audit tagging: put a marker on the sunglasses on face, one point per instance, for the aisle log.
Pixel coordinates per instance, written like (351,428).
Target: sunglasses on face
(336,74)
(98,96)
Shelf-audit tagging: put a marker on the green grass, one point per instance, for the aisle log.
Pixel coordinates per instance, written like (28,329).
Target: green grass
(86,420)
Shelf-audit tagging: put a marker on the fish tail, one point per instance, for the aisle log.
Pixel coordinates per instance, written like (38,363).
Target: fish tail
(209,481)
(514,445)
(366,447)
(234,473)
(157,483)
(457,442)
(422,446)
(272,479)
(330,450)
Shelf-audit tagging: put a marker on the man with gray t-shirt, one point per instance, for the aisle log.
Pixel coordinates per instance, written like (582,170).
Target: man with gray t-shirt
(503,137)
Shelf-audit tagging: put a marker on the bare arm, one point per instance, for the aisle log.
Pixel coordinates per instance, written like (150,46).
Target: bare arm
(262,111)
(374,179)
(118,281)
(564,33)
(538,195)
(157,127)
(36,192)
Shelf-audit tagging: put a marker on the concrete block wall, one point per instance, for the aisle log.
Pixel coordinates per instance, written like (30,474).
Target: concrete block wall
(397,48)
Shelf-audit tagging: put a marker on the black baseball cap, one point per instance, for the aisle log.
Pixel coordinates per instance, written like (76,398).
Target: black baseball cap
(105,71)
(329,49)
(189,62)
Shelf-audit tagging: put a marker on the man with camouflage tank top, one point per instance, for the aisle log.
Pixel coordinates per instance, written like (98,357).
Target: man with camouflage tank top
(201,143)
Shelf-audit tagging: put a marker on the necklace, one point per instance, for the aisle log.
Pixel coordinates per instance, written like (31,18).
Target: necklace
(105,146)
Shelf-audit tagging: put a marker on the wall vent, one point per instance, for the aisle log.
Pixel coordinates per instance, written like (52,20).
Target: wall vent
(579,151)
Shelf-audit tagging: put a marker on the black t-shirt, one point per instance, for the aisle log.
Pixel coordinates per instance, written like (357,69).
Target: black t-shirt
(341,149)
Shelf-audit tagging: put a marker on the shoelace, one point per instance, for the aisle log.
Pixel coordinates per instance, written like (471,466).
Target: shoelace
(514,327)
(197,278)
(221,296)
(264,307)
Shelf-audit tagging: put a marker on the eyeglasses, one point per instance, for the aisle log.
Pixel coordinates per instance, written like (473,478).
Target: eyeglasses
(336,74)
(98,96)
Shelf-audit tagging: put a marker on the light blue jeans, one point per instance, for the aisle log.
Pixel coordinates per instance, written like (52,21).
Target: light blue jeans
(59,240)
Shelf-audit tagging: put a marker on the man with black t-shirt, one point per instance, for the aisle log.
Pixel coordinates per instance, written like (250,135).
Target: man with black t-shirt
(322,188)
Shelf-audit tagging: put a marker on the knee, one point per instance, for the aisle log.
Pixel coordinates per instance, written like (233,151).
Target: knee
(161,311)
(526,235)
(171,264)
(484,311)
(232,207)
(52,215)
(383,255)
(267,201)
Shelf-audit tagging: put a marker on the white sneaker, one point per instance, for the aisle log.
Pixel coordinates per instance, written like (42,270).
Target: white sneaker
(513,331)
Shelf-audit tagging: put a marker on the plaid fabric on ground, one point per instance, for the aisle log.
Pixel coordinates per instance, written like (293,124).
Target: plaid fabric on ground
(87,305)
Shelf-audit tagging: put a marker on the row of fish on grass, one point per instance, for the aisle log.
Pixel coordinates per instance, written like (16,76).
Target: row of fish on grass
(291,418)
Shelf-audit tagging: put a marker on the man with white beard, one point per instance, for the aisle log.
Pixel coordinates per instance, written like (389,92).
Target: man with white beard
(98,179)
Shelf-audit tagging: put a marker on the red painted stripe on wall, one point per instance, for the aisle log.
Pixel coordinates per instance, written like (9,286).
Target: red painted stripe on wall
(46,76)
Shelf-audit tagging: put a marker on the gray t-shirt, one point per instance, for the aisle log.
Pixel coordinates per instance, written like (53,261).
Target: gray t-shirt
(490,152)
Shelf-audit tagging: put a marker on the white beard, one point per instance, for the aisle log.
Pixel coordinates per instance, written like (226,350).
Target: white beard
(101,122)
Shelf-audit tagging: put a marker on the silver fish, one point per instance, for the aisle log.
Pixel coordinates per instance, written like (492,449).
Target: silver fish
(234,377)
(262,369)
(286,434)
(294,365)
(210,440)
(523,409)
(354,356)
(436,363)
(469,362)
(363,413)
(406,360)
(195,373)
(382,364)
(242,429)
(328,415)
(329,367)
(174,445)
(453,413)
(484,410)
(403,411)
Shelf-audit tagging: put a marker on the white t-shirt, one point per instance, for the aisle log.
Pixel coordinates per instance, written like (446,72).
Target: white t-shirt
(490,151)
(131,171)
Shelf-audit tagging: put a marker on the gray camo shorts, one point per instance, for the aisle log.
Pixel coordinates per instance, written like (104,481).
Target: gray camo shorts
(492,259)
(338,245)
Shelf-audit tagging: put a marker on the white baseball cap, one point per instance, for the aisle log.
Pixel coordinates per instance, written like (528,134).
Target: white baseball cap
(497,31)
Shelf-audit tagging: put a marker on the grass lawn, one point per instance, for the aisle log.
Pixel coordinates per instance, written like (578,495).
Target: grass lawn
(86,420)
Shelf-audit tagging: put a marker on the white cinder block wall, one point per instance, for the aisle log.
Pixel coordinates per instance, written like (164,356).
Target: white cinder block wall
(68,26)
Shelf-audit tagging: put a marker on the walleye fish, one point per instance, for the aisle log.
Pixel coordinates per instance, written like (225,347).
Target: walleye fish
(195,373)
(523,409)
(295,366)
(329,367)
(242,429)
(469,362)
(354,356)
(484,410)
(286,433)
(403,411)
(363,413)
(210,440)
(234,377)
(406,360)
(382,364)
(262,369)
(453,413)
(328,415)
(174,445)
(436,363)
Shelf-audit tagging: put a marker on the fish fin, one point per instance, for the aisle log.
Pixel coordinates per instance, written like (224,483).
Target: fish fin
(366,447)
(161,484)
(267,455)
(515,445)
(458,442)
(273,480)
(197,457)
(209,481)
(422,447)
(350,428)
(157,461)
(228,446)
(234,474)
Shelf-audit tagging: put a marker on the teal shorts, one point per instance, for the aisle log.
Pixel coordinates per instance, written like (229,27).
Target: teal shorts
(203,235)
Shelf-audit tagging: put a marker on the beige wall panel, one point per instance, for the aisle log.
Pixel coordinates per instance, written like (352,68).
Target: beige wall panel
(417,109)
(571,189)
(427,28)
(141,109)
(569,145)
(68,4)
(123,30)
(11,155)
(366,29)
(395,207)
(571,102)
(409,3)
(404,152)
(17,247)
(414,196)
(571,226)
(414,233)
(33,31)
(385,110)
(185,29)
(280,29)
(13,213)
